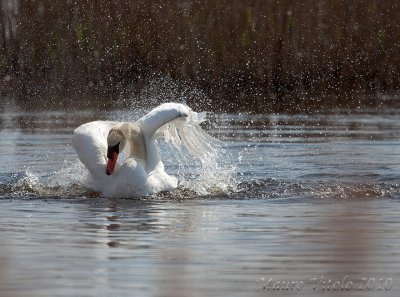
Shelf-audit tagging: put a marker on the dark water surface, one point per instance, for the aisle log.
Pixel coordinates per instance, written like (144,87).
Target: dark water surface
(313,208)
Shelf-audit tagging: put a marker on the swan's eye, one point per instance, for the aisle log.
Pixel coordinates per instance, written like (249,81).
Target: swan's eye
(111,150)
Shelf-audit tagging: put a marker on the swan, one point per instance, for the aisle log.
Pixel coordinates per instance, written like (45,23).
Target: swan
(100,145)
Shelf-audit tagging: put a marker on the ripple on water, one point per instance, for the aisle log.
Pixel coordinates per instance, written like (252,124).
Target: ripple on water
(311,196)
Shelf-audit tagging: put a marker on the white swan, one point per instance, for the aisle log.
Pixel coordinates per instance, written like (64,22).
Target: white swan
(100,143)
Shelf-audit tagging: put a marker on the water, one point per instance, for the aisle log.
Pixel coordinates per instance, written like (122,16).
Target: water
(312,207)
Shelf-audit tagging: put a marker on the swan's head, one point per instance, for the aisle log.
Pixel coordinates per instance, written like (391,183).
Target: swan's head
(116,143)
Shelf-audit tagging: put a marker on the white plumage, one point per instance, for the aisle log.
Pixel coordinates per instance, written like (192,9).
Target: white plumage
(140,173)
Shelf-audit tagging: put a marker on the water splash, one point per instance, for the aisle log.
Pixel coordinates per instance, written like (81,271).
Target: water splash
(203,165)
(161,89)
(200,162)
(64,183)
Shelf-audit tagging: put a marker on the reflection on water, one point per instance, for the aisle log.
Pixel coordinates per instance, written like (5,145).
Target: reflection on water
(315,209)
(197,247)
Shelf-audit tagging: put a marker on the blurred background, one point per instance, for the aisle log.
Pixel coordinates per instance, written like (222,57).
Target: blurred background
(243,54)
(305,96)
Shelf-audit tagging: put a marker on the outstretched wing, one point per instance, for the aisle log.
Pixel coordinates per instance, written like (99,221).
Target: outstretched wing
(90,142)
(151,122)
(180,125)
(161,115)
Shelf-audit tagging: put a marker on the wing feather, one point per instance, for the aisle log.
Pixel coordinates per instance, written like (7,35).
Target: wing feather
(90,142)
(160,116)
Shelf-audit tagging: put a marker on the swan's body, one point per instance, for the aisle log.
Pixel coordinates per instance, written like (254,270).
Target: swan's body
(142,172)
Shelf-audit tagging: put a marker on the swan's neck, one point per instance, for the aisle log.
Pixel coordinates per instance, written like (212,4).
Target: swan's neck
(134,142)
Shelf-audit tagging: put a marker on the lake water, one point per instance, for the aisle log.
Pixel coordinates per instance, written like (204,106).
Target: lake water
(311,206)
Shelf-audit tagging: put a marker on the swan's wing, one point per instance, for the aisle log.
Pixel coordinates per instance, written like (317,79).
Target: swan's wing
(161,115)
(151,122)
(180,125)
(90,142)
(187,132)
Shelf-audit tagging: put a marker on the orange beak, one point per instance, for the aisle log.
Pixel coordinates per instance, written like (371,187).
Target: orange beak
(111,163)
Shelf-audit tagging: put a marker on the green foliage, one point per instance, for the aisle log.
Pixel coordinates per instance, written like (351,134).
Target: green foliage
(81,36)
